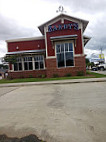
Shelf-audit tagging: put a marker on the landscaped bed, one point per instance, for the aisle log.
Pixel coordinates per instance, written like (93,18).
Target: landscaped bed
(88,75)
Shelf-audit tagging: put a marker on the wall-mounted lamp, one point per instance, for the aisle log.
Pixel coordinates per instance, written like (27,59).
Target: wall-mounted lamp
(17,47)
(38,45)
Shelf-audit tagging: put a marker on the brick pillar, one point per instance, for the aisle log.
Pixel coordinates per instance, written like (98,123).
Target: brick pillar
(51,67)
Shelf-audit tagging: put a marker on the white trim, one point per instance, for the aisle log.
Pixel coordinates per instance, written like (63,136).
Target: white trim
(78,55)
(60,18)
(45,41)
(62,21)
(51,57)
(64,53)
(52,23)
(33,64)
(65,17)
(82,39)
(26,39)
(12,68)
(22,63)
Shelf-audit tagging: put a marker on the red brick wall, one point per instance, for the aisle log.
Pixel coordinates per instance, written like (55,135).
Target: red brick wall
(78,49)
(27,74)
(52,67)
(26,45)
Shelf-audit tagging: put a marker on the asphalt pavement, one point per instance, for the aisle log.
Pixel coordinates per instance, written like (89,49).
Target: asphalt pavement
(55,112)
(100,72)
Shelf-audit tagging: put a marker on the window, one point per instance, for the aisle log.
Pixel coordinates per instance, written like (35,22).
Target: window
(64,52)
(39,62)
(18,64)
(28,63)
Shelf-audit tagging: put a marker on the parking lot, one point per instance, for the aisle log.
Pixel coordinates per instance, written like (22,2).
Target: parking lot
(55,113)
(100,72)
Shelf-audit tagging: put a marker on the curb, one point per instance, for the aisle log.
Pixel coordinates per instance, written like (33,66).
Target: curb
(71,81)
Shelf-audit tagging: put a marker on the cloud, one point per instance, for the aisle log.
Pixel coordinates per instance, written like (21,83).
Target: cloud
(3,48)
(88,6)
(10,28)
(20,18)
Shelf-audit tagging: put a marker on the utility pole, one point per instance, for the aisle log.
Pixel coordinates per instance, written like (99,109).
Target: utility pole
(101,50)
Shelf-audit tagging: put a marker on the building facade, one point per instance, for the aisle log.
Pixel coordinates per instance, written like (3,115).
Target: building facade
(59,51)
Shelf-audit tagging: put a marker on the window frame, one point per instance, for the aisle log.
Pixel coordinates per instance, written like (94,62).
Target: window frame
(63,42)
(18,62)
(27,61)
(43,60)
(33,63)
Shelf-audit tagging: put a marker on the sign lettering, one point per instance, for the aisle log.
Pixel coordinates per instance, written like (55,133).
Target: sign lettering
(52,28)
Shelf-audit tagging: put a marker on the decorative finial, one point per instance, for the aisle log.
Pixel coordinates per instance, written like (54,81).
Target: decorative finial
(61,9)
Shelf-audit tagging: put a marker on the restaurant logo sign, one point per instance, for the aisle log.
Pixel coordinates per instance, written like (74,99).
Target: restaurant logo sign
(52,28)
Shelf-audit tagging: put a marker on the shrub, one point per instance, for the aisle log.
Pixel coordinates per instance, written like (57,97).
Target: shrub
(80,73)
(43,76)
(30,76)
(55,75)
(68,74)
(9,77)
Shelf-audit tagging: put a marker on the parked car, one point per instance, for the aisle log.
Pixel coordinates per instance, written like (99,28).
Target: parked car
(94,68)
(102,67)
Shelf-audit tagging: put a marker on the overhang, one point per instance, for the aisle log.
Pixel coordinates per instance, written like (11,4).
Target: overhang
(66,37)
(27,52)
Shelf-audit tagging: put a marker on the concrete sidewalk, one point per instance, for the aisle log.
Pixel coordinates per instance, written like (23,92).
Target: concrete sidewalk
(68,81)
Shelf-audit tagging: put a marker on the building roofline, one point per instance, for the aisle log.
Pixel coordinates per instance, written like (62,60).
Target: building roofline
(26,39)
(85,22)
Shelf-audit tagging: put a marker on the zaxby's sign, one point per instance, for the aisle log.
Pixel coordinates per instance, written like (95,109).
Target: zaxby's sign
(52,28)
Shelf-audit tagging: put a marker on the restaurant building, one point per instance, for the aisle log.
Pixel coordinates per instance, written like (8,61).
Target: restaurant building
(58,52)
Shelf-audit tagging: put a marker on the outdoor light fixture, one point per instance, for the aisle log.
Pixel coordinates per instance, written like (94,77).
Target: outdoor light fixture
(17,47)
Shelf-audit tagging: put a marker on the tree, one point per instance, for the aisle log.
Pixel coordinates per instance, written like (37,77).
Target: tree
(3,66)
(87,62)
(10,59)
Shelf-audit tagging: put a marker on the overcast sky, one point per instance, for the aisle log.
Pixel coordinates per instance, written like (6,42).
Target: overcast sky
(20,18)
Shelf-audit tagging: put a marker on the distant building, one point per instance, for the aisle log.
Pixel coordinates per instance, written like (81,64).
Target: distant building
(59,51)
(100,58)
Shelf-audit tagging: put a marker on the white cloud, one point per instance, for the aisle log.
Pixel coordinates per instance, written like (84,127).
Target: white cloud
(20,18)
(3,48)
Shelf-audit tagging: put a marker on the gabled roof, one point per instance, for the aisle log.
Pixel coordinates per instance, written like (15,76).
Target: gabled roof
(84,22)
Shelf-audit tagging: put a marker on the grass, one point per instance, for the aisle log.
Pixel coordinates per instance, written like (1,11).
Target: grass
(89,75)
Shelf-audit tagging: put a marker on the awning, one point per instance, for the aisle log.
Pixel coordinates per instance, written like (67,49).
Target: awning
(66,37)
(27,52)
